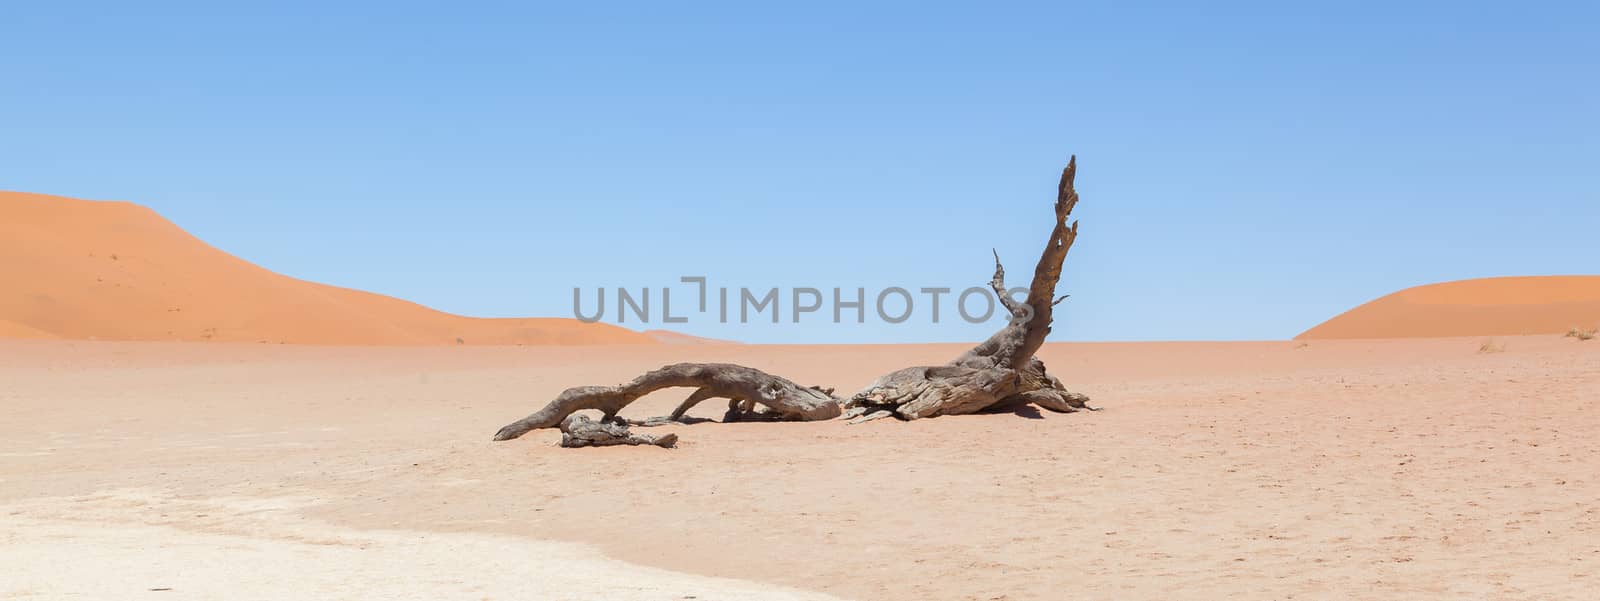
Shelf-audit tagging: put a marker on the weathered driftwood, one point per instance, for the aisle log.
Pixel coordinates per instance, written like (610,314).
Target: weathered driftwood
(1002,370)
(997,374)
(744,387)
(580,431)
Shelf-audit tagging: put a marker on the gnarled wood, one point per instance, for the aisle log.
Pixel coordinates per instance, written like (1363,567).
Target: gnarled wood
(1002,369)
(1015,344)
(580,431)
(747,386)
(999,372)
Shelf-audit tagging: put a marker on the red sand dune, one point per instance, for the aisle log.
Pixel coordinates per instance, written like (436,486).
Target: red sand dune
(79,269)
(1484,307)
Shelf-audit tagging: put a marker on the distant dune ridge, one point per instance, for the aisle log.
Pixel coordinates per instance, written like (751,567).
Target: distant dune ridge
(79,269)
(1482,307)
(671,337)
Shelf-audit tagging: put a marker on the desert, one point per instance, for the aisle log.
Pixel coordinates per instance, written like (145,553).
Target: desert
(832,301)
(151,452)
(1350,469)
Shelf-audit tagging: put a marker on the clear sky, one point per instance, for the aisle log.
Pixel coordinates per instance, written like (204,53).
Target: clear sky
(1247,170)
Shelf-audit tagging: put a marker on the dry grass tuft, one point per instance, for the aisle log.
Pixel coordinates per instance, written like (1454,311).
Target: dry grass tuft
(1491,346)
(1583,334)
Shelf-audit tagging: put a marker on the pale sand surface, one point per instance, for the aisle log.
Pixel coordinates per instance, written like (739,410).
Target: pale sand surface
(126,544)
(1400,469)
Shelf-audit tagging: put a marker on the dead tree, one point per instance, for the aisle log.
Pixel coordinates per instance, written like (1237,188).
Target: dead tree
(999,373)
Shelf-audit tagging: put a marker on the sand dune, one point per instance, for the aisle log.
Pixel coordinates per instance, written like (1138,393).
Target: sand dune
(671,337)
(80,269)
(1484,307)
(16,330)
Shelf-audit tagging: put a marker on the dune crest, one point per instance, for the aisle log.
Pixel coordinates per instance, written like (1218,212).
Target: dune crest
(671,337)
(80,269)
(1502,306)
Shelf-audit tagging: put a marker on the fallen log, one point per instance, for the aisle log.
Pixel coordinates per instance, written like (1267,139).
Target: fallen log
(746,389)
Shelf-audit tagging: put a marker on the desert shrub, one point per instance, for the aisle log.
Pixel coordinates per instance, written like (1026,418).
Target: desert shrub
(1491,346)
(1583,334)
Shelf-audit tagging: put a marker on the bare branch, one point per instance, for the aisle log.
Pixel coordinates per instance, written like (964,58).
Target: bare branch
(998,283)
(1048,272)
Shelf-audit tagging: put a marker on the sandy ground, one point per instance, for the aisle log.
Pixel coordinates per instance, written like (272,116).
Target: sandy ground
(1404,469)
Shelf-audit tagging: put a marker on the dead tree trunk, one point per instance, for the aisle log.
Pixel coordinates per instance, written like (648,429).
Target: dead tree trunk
(1001,372)
(744,387)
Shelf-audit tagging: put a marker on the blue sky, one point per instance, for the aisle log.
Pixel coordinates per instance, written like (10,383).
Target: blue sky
(1247,170)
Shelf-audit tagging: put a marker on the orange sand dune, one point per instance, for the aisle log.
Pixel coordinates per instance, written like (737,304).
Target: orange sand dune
(1483,307)
(79,269)
(17,330)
